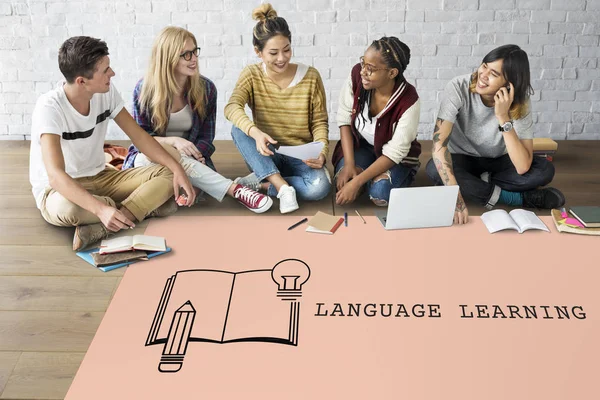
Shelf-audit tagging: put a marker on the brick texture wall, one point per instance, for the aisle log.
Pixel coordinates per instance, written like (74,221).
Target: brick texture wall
(447,38)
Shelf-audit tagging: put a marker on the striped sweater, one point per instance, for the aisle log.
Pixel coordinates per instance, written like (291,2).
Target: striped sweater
(292,116)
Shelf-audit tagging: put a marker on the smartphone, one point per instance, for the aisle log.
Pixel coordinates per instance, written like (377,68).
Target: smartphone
(508,87)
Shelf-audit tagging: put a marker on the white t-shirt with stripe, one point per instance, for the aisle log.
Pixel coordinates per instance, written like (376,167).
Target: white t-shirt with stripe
(82,136)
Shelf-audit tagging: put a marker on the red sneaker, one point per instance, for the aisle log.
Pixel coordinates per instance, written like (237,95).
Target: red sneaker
(253,200)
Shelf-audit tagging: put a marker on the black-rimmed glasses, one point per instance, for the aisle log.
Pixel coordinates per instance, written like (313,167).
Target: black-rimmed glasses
(368,68)
(187,55)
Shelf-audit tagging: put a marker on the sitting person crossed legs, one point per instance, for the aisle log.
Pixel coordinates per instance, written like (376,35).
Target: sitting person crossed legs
(483,138)
(70,183)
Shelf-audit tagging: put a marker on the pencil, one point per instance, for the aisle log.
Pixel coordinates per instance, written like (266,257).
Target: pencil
(361,217)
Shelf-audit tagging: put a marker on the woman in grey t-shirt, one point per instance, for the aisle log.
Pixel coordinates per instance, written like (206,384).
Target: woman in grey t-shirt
(483,137)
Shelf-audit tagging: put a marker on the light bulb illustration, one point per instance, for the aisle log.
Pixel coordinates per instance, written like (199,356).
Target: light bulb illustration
(290,275)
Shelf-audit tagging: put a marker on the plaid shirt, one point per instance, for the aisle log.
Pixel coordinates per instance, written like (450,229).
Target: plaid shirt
(202,133)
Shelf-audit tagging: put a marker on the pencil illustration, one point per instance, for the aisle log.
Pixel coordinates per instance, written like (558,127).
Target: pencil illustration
(177,341)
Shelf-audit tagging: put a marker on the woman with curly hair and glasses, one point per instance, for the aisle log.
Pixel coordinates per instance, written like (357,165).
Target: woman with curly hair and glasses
(378,116)
(483,138)
(178,106)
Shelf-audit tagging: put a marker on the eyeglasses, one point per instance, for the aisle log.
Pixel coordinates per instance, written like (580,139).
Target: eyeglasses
(369,69)
(187,55)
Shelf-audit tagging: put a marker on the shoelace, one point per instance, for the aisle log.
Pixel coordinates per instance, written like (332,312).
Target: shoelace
(248,195)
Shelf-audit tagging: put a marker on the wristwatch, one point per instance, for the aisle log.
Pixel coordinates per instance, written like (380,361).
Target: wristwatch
(506,127)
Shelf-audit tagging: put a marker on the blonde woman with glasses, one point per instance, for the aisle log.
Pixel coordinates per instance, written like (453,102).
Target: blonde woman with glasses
(178,106)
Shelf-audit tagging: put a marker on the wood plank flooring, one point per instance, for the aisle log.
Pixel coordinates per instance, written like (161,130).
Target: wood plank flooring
(51,302)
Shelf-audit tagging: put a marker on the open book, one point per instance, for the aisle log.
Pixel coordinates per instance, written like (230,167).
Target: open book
(519,220)
(202,305)
(135,242)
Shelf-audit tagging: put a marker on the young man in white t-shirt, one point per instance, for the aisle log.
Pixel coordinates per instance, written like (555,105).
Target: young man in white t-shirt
(67,170)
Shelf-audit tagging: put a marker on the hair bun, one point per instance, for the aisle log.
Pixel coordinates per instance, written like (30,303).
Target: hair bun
(264,12)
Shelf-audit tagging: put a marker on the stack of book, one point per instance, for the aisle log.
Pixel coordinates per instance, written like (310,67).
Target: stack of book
(583,220)
(123,251)
(544,147)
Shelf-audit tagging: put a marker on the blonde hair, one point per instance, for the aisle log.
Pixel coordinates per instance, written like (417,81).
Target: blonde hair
(268,26)
(160,85)
(264,12)
(516,111)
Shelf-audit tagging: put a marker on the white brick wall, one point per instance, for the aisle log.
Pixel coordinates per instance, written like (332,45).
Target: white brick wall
(447,38)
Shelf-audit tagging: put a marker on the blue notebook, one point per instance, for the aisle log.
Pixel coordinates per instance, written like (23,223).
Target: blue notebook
(87,257)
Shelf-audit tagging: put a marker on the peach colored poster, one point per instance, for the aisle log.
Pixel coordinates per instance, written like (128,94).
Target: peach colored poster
(245,309)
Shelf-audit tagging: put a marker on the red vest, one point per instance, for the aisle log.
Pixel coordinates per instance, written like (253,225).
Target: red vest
(386,122)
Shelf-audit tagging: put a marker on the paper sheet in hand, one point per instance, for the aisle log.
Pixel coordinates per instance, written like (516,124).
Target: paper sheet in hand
(303,152)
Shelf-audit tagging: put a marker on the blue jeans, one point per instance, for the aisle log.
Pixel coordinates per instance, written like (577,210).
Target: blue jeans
(310,183)
(379,192)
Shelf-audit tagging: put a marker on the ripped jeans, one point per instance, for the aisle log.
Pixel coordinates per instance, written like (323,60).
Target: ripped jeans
(379,191)
(310,184)
(200,175)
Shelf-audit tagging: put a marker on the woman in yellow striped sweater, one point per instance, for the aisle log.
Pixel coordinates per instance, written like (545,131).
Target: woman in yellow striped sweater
(288,108)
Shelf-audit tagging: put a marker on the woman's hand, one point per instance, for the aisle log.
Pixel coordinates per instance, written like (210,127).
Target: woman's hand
(502,101)
(186,147)
(316,163)
(262,141)
(347,173)
(348,193)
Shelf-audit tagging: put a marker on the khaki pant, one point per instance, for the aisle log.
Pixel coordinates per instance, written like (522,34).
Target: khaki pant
(140,190)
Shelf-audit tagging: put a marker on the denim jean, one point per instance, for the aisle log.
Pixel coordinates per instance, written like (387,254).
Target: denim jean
(201,176)
(501,175)
(398,176)
(310,183)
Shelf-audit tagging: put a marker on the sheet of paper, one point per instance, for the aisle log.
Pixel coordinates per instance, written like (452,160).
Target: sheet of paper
(303,152)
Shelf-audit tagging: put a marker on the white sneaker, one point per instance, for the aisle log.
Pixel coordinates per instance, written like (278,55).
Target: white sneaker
(287,199)
(250,181)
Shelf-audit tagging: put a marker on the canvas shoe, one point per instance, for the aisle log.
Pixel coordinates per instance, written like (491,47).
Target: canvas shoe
(546,198)
(287,199)
(250,181)
(169,207)
(88,234)
(254,201)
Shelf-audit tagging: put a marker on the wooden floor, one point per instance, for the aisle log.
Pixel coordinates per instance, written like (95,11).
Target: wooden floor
(51,302)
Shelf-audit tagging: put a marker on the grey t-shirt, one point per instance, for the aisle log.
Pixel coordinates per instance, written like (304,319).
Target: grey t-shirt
(475,130)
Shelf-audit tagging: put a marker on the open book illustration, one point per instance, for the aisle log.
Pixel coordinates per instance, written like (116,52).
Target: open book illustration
(303,152)
(519,220)
(202,305)
(135,242)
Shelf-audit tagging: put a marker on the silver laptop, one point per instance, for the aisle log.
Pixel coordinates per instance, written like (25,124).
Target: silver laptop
(420,207)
